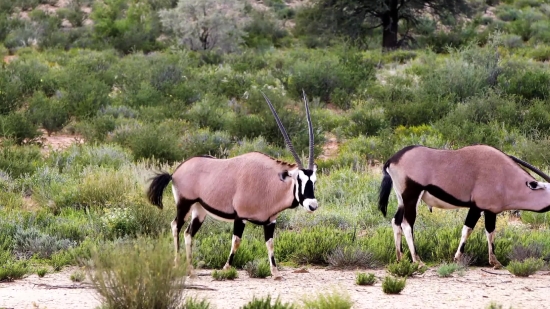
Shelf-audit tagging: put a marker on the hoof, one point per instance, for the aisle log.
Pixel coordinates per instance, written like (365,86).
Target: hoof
(226,267)
(497,265)
(278,278)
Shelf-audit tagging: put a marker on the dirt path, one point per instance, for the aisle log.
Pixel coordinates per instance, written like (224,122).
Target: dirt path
(476,289)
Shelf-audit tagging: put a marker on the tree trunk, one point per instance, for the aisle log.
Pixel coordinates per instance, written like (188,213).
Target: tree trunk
(390,24)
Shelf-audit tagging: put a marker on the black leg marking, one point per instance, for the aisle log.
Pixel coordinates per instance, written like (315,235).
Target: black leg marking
(399,216)
(472,217)
(493,246)
(490,221)
(273,261)
(462,247)
(269,230)
(194,227)
(230,261)
(183,208)
(238,228)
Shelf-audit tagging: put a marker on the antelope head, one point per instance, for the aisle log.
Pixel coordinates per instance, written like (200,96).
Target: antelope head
(304,178)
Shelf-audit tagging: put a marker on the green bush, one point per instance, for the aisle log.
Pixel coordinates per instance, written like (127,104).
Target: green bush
(392,285)
(527,81)
(41,272)
(29,242)
(266,303)
(403,268)
(526,267)
(365,279)
(124,276)
(12,270)
(193,303)
(351,257)
(17,161)
(446,270)
(19,128)
(51,114)
(258,269)
(334,300)
(78,276)
(226,274)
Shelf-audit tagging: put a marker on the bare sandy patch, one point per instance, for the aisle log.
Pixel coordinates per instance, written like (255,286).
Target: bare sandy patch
(475,289)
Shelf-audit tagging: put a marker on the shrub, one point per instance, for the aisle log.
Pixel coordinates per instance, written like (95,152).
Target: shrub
(124,276)
(263,31)
(19,128)
(403,268)
(258,269)
(226,274)
(392,285)
(12,270)
(28,242)
(365,279)
(526,267)
(334,300)
(526,81)
(266,303)
(41,272)
(17,161)
(351,257)
(522,252)
(193,303)
(78,276)
(446,270)
(49,113)
(84,97)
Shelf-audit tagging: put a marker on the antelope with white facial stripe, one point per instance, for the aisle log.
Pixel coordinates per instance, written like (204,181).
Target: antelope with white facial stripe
(479,177)
(251,187)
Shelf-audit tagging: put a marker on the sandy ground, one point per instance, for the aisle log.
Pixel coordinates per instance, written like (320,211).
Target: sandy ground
(475,289)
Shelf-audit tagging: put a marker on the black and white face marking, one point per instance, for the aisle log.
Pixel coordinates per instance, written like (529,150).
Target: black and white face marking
(535,185)
(305,187)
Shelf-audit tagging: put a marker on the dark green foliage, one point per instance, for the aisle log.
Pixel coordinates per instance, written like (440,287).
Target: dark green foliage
(263,31)
(351,257)
(528,82)
(193,303)
(258,269)
(19,128)
(526,267)
(392,285)
(17,161)
(403,268)
(49,113)
(267,303)
(226,274)
(11,270)
(365,279)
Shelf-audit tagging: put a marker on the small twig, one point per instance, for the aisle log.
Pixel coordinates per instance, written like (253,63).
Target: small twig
(51,287)
(493,273)
(199,287)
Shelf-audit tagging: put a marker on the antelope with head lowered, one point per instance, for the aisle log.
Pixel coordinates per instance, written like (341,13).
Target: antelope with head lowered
(252,187)
(478,177)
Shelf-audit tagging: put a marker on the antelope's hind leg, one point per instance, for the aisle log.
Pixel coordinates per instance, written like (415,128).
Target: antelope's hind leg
(182,209)
(269,230)
(471,220)
(238,229)
(411,197)
(490,225)
(198,214)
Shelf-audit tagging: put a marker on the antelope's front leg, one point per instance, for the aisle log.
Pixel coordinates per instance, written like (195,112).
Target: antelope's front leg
(269,230)
(238,229)
(490,225)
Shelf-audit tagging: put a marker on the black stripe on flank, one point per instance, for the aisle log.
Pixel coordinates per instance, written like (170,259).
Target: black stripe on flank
(212,210)
(446,197)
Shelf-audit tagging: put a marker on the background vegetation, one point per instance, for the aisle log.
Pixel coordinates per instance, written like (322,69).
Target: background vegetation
(145,89)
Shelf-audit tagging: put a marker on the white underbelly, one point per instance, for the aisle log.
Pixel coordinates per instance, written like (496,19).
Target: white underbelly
(433,201)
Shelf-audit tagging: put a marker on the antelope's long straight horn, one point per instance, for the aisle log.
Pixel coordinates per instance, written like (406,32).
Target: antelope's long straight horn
(283,131)
(531,167)
(310,127)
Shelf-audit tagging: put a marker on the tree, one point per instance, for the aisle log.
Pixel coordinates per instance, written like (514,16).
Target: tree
(354,18)
(206,24)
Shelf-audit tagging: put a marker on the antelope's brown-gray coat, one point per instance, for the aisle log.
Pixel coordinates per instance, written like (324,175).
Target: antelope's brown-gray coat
(479,177)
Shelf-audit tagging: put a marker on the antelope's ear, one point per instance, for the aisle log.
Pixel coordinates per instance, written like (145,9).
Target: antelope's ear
(293,173)
(314,167)
(535,185)
(283,175)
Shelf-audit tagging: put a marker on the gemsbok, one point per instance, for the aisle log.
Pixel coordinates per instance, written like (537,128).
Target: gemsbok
(252,187)
(478,177)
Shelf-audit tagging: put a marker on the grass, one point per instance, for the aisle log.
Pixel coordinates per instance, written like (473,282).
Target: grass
(365,279)
(526,267)
(391,285)
(226,274)
(258,269)
(267,303)
(78,276)
(193,303)
(403,268)
(41,272)
(13,270)
(446,270)
(332,300)
(138,274)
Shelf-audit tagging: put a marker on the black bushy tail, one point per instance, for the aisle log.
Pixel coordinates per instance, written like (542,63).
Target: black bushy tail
(385,190)
(156,188)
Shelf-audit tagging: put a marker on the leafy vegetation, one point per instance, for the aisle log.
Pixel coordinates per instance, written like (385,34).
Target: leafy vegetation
(391,285)
(526,267)
(226,274)
(365,279)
